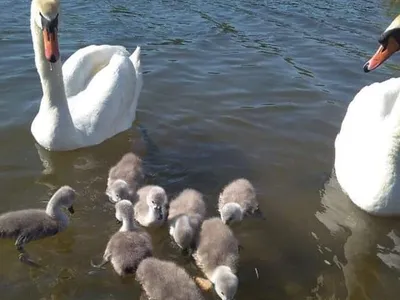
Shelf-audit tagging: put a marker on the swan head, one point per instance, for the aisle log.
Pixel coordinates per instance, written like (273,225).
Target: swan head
(231,212)
(390,43)
(225,282)
(118,190)
(64,197)
(157,202)
(45,16)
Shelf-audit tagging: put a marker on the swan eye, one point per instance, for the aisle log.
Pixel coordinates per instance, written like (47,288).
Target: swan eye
(393,33)
(51,26)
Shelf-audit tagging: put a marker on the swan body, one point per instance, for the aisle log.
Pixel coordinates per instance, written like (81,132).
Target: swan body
(124,178)
(90,98)
(367,148)
(130,245)
(33,224)
(165,280)
(185,216)
(236,200)
(217,255)
(151,207)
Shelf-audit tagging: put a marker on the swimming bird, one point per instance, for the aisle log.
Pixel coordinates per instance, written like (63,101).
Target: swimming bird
(32,224)
(185,215)
(217,255)
(162,280)
(129,246)
(90,98)
(124,178)
(367,147)
(151,208)
(236,200)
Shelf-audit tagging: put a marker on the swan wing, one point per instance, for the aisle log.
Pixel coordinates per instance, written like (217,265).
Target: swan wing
(80,68)
(106,105)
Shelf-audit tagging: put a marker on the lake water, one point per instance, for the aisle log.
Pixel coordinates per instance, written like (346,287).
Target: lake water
(232,88)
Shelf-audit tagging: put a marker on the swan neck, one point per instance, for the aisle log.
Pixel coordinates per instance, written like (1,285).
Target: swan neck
(51,76)
(183,222)
(127,225)
(53,210)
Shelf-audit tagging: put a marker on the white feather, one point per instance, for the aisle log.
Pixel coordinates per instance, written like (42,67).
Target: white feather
(89,99)
(367,149)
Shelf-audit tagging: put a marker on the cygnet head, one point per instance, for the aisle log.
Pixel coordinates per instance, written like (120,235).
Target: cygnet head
(123,209)
(64,197)
(118,190)
(225,283)
(124,214)
(390,44)
(157,201)
(183,233)
(231,212)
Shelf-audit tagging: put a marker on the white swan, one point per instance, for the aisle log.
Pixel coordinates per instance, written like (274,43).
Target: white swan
(89,99)
(367,148)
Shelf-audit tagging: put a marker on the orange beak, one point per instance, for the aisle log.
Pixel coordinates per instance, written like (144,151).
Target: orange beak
(50,41)
(382,54)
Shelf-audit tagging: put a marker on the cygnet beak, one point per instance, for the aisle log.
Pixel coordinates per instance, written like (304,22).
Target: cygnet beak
(71,209)
(259,214)
(158,210)
(228,221)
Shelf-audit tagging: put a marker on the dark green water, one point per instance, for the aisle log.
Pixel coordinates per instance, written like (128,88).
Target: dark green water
(232,88)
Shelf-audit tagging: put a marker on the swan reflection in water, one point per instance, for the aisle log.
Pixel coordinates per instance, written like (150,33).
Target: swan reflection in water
(371,246)
(89,164)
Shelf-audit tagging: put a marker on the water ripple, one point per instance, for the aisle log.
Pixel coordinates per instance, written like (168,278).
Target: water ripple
(232,88)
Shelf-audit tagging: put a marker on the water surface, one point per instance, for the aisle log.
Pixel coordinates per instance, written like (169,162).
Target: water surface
(232,88)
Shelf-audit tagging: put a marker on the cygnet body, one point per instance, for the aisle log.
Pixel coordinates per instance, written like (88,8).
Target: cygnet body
(237,199)
(125,178)
(185,216)
(162,280)
(217,255)
(151,207)
(33,224)
(130,245)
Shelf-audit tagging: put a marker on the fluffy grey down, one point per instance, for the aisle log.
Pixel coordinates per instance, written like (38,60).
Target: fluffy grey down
(164,280)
